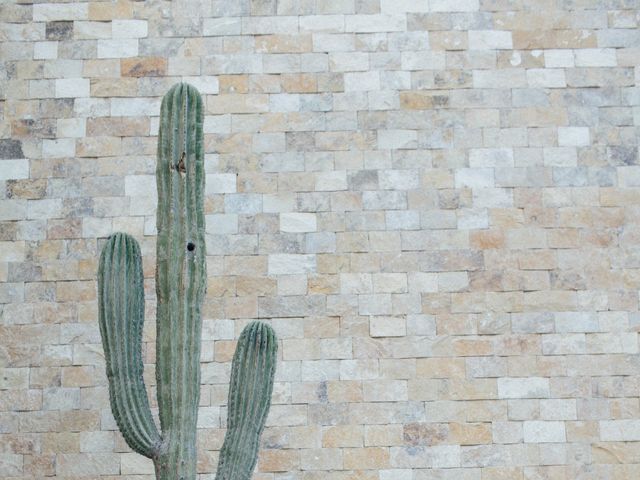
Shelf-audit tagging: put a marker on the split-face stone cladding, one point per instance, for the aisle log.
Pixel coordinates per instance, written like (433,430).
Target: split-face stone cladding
(435,203)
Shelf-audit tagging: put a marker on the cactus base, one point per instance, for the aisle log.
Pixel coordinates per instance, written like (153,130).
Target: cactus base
(176,464)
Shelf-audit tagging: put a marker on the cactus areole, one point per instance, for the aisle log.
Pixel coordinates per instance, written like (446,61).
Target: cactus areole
(180,288)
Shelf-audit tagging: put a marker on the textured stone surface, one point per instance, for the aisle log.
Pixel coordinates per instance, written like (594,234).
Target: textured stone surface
(434,203)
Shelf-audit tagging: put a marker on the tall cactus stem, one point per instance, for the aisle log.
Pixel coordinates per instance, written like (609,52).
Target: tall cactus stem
(180,276)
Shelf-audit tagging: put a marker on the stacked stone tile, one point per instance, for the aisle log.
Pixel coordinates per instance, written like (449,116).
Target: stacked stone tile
(434,203)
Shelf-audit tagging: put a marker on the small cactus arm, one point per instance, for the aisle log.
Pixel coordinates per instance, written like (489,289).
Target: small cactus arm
(252,371)
(121,317)
(180,289)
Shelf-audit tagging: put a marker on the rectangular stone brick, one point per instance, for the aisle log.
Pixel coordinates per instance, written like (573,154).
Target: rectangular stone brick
(283,43)
(375,23)
(619,430)
(368,457)
(322,23)
(129,28)
(562,38)
(490,39)
(11,149)
(438,456)
(117,48)
(531,387)
(506,78)
(59,30)
(222,26)
(342,436)
(541,432)
(384,326)
(14,169)
(143,67)
(78,464)
(454,6)
(70,11)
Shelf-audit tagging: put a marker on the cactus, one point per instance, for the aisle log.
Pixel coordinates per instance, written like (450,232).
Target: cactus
(180,288)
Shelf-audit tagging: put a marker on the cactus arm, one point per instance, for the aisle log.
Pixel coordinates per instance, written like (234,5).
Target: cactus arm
(180,274)
(121,318)
(252,373)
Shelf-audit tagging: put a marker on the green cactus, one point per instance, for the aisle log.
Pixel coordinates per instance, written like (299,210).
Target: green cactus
(180,288)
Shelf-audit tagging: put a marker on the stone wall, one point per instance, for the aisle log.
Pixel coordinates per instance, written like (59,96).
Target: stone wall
(434,202)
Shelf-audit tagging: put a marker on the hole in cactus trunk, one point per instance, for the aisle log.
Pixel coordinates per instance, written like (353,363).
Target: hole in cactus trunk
(191,246)
(180,166)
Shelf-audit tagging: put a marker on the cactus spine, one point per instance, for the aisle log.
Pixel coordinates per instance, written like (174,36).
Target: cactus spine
(180,288)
